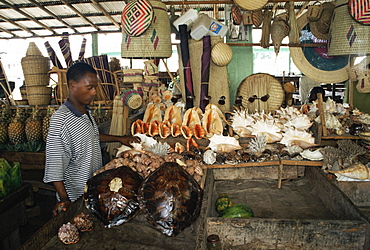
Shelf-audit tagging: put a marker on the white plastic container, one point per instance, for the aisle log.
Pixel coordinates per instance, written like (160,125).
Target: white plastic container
(201,27)
(188,18)
(207,26)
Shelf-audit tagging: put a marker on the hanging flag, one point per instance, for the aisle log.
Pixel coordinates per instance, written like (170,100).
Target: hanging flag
(64,46)
(52,55)
(81,55)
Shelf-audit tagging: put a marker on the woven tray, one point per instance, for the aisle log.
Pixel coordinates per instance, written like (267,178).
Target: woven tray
(251,4)
(261,84)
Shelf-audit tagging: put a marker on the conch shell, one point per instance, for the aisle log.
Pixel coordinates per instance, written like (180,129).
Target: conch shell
(270,131)
(152,113)
(312,155)
(173,115)
(191,118)
(199,131)
(212,123)
(242,122)
(217,109)
(136,127)
(186,131)
(175,130)
(300,122)
(153,128)
(356,171)
(301,138)
(164,130)
(220,143)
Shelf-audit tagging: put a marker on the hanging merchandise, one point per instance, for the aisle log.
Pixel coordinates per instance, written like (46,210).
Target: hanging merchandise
(236,15)
(52,55)
(363,85)
(206,61)
(360,11)
(266,28)
(155,42)
(257,17)
(279,30)
(207,26)
(251,4)
(314,12)
(150,68)
(188,19)
(221,54)
(320,28)
(184,45)
(247,18)
(136,17)
(347,37)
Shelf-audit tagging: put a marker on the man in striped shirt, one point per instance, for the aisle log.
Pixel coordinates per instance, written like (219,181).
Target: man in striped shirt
(73,151)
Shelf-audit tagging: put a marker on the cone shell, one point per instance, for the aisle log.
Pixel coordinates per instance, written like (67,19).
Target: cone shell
(356,171)
(191,118)
(175,129)
(186,131)
(173,115)
(164,130)
(199,131)
(153,128)
(136,127)
(212,123)
(152,113)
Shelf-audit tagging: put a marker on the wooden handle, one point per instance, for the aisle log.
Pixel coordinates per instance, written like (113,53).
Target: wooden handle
(322,114)
(171,76)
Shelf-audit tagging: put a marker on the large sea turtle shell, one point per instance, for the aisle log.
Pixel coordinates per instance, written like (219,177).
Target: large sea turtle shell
(170,199)
(112,195)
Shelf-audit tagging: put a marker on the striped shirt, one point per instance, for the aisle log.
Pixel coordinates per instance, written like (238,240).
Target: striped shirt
(72,149)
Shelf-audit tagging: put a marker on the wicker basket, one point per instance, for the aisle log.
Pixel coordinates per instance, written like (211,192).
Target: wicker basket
(155,42)
(251,4)
(38,95)
(33,50)
(131,98)
(132,75)
(35,70)
(221,54)
(347,37)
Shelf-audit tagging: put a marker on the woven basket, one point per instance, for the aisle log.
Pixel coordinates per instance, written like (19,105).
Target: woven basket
(347,37)
(33,50)
(131,98)
(356,71)
(23,91)
(132,75)
(38,95)
(221,54)
(261,84)
(251,4)
(35,70)
(155,42)
(36,80)
(363,85)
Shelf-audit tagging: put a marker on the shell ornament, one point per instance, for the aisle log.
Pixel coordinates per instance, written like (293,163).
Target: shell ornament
(170,199)
(68,233)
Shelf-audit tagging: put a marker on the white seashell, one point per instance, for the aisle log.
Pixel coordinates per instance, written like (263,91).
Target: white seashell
(212,123)
(356,171)
(121,149)
(312,155)
(220,143)
(241,123)
(209,157)
(270,131)
(300,138)
(146,141)
(330,120)
(300,122)
(293,150)
(330,106)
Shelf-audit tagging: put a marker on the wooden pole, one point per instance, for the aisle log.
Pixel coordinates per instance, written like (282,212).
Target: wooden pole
(322,114)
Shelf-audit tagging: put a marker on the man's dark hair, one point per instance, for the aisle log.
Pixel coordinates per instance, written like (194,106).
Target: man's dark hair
(78,71)
(317,89)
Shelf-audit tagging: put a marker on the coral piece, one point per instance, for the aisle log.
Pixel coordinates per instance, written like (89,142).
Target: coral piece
(68,233)
(258,144)
(160,149)
(83,222)
(351,147)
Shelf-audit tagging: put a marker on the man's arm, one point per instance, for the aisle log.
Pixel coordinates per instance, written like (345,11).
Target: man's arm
(64,202)
(127,139)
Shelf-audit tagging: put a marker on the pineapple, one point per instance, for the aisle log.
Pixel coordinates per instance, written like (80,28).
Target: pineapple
(3,127)
(46,123)
(33,127)
(16,131)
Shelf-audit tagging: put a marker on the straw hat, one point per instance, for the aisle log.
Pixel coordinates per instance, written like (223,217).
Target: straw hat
(221,54)
(251,4)
(33,50)
(320,28)
(136,17)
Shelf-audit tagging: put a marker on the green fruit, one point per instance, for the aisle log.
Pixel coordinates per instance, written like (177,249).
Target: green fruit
(238,211)
(223,202)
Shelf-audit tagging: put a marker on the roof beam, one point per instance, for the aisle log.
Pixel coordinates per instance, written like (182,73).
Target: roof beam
(26,15)
(80,14)
(97,4)
(7,31)
(53,15)
(18,25)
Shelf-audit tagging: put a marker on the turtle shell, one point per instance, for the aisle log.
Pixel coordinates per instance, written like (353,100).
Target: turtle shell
(112,195)
(170,199)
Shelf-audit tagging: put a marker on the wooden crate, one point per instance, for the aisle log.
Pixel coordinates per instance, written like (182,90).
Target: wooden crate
(308,212)
(28,160)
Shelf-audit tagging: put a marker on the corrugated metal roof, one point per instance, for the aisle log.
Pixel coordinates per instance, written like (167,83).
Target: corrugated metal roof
(39,18)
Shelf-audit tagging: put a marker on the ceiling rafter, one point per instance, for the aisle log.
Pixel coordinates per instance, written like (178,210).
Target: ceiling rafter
(18,25)
(7,31)
(97,4)
(80,14)
(27,15)
(52,14)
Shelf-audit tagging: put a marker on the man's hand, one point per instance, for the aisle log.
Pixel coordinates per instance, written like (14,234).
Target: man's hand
(127,140)
(61,206)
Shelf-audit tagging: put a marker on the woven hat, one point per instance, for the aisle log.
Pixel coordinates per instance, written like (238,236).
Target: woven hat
(347,36)
(221,54)
(136,17)
(251,4)
(320,28)
(33,50)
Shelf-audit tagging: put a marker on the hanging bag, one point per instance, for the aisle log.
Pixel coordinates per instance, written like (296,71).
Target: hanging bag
(363,85)
(314,12)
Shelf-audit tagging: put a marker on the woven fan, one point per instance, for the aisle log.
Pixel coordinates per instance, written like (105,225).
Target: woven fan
(136,17)
(261,92)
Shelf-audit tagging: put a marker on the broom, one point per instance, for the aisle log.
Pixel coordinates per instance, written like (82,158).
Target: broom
(117,123)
